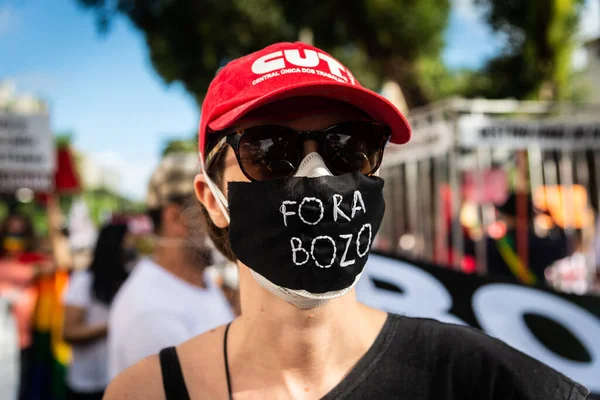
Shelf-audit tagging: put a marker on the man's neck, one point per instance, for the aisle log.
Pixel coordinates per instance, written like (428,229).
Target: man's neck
(302,348)
(179,263)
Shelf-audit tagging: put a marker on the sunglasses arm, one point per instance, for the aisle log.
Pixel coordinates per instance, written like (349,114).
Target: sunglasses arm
(220,197)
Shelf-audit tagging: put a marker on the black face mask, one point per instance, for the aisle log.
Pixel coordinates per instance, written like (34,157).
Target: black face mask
(306,233)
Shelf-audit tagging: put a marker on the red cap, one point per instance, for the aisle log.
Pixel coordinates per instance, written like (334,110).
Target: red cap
(285,70)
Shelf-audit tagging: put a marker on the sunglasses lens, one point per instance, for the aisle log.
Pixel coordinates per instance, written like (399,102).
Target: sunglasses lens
(269,152)
(354,147)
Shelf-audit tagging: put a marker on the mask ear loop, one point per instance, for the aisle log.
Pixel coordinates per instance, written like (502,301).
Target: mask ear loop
(219,196)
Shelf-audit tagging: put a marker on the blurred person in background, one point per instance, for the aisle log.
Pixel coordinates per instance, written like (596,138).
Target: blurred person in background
(168,297)
(572,274)
(20,265)
(299,217)
(543,251)
(87,301)
(502,258)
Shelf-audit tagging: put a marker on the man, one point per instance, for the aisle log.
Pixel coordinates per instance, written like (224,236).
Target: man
(502,252)
(168,298)
(290,145)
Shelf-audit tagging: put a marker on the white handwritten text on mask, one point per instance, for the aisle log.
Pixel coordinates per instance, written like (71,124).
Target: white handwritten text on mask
(300,254)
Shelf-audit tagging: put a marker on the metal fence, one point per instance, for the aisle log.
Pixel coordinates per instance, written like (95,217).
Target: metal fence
(457,147)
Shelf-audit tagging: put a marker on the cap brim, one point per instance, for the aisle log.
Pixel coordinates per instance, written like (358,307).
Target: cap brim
(378,107)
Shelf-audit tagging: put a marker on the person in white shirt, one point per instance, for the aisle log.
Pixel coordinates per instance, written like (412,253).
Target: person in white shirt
(87,302)
(168,298)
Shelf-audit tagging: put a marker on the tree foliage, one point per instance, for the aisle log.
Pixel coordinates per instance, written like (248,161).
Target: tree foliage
(181,145)
(536,60)
(378,39)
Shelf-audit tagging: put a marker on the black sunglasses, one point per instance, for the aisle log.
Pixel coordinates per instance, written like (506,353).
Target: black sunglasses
(267,152)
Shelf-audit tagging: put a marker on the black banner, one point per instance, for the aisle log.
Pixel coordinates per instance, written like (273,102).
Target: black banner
(561,330)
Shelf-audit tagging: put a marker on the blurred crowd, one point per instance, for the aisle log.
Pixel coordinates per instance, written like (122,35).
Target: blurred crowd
(150,280)
(565,260)
(153,279)
(87,300)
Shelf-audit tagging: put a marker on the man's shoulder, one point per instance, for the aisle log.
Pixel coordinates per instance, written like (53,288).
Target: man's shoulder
(140,381)
(443,334)
(444,340)
(470,355)
(202,363)
(430,340)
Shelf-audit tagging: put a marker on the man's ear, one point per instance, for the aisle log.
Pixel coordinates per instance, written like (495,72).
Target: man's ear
(208,200)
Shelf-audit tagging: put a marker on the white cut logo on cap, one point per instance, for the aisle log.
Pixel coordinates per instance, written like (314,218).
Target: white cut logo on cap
(275,64)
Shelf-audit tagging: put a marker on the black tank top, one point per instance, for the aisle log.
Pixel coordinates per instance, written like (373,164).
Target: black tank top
(415,358)
(173,381)
(172,377)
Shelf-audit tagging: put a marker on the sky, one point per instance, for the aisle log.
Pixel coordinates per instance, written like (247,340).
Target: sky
(103,89)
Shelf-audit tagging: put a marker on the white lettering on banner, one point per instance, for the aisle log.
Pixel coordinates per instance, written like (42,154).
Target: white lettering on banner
(297,249)
(268,64)
(500,310)
(422,295)
(344,263)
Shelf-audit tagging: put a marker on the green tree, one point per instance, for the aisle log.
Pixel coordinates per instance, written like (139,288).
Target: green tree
(379,39)
(536,60)
(180,145)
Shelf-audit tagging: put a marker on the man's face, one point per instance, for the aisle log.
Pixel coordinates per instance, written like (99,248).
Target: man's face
(311,120)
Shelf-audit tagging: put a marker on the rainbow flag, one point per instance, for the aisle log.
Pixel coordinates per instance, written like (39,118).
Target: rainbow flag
(51,355)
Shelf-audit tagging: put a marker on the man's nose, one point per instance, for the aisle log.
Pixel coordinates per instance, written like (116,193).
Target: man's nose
(310,146)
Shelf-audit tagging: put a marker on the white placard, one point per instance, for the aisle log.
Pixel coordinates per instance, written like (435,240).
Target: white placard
(426,142)
(26,144)
(481,131)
